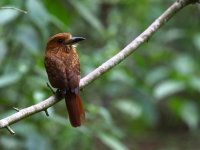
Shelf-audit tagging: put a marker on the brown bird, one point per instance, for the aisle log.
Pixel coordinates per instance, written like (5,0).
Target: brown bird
(63,69)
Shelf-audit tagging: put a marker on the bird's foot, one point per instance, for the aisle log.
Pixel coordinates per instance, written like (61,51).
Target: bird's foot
(60,93)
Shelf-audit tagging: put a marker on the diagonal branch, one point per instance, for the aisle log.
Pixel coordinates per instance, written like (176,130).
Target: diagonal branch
(130,48)
(17,9)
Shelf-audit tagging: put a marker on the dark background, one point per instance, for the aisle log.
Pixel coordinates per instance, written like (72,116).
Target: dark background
(150,101)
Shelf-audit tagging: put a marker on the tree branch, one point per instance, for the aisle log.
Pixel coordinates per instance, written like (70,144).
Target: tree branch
(130,48)
(17,9)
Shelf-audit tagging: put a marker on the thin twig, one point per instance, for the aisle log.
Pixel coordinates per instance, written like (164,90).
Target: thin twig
(46,112)
(16,109)
(130,48)
(14,8)
(10,130)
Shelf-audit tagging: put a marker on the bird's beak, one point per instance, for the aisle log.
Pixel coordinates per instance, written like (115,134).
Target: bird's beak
(75,40)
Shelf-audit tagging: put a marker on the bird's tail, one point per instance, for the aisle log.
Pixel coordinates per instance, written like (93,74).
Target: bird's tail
(75,109)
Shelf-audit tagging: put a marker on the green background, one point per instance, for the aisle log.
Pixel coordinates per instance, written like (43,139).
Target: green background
(150,101)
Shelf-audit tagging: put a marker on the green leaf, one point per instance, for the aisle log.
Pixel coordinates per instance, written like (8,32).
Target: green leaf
(3,50)
(39,15)
(87,15)
(112,142)
(29,38)
(195,83)
(156,75)
(9,79)
(129,108)
(38,96)
(168,88)
(175,105)
(57,22)
(184,64)
(7,15)
(8,142)
(190,114)
(173,34)
(197,41)
(106,115)
(37,12)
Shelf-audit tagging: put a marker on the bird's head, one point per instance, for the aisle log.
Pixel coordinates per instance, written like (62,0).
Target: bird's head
(62,40)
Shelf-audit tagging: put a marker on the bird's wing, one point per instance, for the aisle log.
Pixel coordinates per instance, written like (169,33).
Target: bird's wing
(56,72)
(73,76)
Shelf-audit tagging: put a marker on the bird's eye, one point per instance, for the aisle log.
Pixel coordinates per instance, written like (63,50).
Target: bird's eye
(60,41)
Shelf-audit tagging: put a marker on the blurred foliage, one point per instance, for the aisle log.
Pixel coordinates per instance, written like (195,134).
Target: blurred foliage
(150,101)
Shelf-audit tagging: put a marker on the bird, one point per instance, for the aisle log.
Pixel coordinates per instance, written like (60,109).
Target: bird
(63,70)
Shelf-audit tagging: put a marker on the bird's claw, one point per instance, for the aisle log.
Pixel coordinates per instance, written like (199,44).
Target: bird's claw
(60,93)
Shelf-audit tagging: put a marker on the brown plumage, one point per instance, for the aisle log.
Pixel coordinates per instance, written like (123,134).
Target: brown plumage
(63,69)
